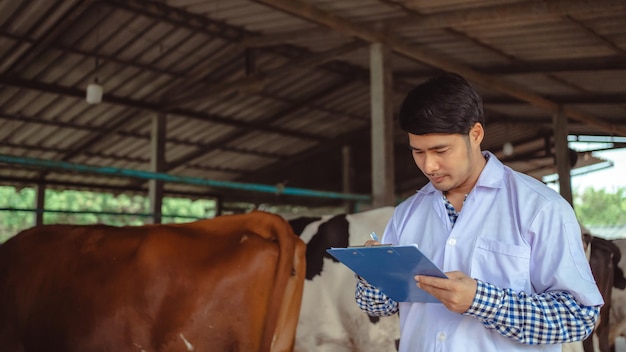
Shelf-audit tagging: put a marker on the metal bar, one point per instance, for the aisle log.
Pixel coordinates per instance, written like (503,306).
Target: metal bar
(147,175)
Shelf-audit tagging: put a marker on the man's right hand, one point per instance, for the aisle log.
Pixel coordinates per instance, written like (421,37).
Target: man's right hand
(370,243)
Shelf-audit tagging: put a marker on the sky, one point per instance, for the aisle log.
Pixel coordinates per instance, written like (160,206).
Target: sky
(609,179)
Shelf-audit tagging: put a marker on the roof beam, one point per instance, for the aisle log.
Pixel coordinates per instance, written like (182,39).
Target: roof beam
(574,99)
(217,144)
(321,17)
(518,12)
(521,11)
(326,147)
(255,82)
(179,17)
(224,140)
(234,36)
(113,99)
(126,134)
(290,37)
(616,62)
(50,36)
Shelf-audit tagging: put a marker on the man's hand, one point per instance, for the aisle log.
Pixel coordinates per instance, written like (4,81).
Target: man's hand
(370,243)
(456,293)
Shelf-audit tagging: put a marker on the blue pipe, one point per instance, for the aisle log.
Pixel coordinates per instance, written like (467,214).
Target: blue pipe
(148,175)
(95,212)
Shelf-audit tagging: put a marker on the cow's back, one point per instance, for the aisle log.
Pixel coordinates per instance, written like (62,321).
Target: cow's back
(211,285)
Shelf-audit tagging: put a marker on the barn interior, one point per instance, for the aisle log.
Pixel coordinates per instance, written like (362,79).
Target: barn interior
(293,102)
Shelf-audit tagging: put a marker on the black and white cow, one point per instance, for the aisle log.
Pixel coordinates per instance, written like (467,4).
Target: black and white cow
(330,320)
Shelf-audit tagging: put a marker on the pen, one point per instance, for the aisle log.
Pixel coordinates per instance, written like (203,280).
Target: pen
(374,237)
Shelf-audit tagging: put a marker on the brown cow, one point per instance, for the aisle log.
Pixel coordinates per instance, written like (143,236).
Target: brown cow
(603,258)
(618,305)
(233,283)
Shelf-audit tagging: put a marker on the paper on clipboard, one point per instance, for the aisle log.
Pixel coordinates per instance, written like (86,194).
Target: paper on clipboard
(391,269)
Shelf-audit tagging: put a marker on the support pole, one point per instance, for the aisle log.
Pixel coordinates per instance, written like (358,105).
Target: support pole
(40,205)
(157,164)
(383,187)
(562,160)
(347,176)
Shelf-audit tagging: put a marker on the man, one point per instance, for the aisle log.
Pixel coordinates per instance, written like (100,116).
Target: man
(518,279)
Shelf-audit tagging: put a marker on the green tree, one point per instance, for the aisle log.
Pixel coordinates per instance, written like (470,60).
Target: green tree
(11,222)
(601,207)
(80,207)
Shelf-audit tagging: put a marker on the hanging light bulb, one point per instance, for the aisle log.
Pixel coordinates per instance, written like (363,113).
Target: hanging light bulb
(94,92)
(507,149)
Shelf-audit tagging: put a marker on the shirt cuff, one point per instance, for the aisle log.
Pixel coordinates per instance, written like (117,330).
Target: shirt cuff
(487,301)
(363,281)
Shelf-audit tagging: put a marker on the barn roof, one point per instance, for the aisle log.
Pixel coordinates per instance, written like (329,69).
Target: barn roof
(268,92)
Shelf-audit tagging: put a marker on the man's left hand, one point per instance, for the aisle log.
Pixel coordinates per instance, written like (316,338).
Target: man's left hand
(456,293)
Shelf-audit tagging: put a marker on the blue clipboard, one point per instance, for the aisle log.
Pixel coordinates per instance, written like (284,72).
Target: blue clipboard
(391,269)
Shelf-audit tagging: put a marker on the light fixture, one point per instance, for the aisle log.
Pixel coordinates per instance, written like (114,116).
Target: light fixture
(94,92)
(507,149)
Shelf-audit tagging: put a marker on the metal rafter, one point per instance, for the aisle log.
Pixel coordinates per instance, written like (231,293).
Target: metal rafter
(113,99)
(256,81)
(543,66)
(521,11)
(49,36)
(67,125)
(530,10)
(238,134)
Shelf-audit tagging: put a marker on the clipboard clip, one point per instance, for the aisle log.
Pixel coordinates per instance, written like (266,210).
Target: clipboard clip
(392,250)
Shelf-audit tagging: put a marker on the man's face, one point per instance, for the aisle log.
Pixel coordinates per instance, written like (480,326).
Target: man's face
(449,161)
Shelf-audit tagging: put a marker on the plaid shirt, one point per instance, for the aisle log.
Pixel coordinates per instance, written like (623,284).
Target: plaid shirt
(545,318)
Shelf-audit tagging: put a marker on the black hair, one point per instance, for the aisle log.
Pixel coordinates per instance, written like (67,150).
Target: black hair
(443,104)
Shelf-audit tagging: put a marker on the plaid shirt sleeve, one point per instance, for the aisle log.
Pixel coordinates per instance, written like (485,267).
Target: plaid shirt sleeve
(546,318)
(372,301)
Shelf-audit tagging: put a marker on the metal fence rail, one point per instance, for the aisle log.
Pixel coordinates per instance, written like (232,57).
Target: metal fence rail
(148,175)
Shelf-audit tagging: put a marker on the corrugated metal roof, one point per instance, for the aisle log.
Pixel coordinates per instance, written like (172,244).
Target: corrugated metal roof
(269,91)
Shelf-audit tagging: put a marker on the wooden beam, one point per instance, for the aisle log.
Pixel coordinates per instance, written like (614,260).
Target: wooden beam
(321,17)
